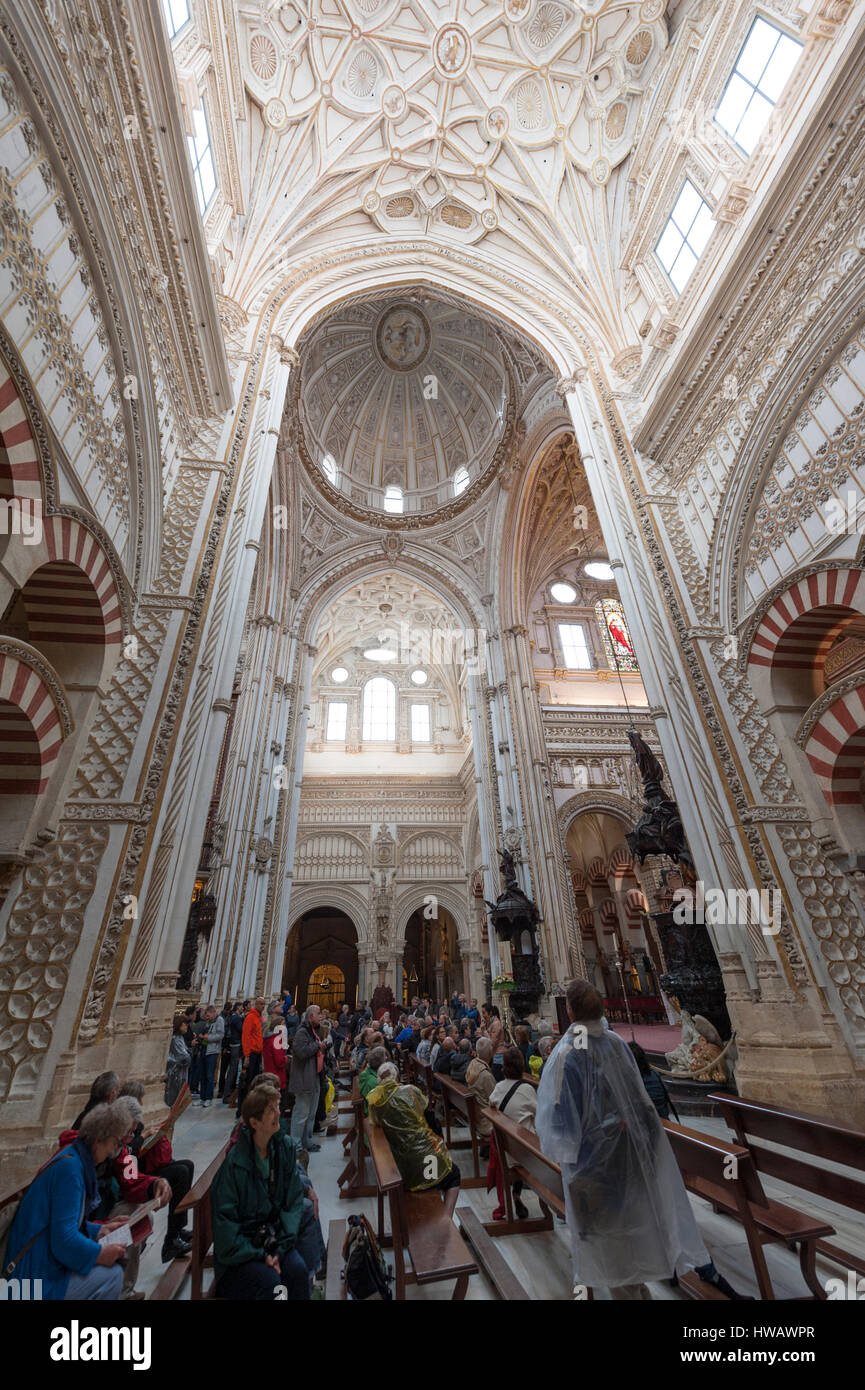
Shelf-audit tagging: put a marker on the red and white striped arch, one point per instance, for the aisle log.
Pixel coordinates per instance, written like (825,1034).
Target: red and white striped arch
(621,865)
(586,922)
(578,879)
(31,729)
(798,629)
(20,473)
(596,873)
(73,598)
(635,909)
(609,916)
(836,748)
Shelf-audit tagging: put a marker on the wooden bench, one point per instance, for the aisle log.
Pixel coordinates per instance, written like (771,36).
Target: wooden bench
(490,1259)
(521,1159)
(700,1158)
(460,1101)
(351,1179)
(733,1188)
(197,1200)
(420,1227)
(807,1135)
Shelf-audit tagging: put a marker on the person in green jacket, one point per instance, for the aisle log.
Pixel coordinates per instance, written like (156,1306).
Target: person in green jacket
(257,1203)
(368,1078)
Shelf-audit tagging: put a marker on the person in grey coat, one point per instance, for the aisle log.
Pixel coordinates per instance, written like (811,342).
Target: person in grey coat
(212,1042)
(307,1061)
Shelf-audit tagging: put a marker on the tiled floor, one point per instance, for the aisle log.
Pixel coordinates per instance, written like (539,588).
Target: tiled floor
(541,1261)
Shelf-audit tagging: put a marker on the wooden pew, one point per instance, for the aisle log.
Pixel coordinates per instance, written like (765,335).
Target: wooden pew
(490,1259)
(741,1195)
(521,1158)
(351,1179)
(706,1163)
(807,1135)
(197,1200)
(420,1227)
(702,1160)
(425,1080)
(459,1100)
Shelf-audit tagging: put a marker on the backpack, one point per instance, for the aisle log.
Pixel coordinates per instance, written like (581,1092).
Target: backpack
(366,1274)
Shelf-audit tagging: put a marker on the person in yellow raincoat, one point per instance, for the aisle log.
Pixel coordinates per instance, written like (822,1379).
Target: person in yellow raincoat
(420,1154)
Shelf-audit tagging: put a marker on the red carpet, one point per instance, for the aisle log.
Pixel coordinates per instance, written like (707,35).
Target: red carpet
(653,1037)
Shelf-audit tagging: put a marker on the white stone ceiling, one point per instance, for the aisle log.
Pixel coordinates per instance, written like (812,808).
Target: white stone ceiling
(403,391)
(457,120)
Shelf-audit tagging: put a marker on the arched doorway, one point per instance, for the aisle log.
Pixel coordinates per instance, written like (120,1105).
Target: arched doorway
(432,963)
(326,987)
(321,959)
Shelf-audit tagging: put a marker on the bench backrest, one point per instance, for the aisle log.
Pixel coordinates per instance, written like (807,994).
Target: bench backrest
(727,1165)
(459,1096)
(808,1134)
(387,1174)
(520,1149)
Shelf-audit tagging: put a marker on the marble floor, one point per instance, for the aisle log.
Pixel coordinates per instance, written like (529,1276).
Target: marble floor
(540,1261)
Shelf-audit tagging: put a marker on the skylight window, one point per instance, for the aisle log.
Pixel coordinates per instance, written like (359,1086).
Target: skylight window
(760,75)
(201,155)
(420,724)
(685,235)
(330,470)
(176,16)
(574,648)
(337,721)
(460,480)
(393,500)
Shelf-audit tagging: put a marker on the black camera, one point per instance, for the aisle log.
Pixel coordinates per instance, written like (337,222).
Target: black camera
(265,1237)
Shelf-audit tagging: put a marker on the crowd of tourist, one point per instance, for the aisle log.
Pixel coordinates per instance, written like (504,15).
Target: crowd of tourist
(593,1101)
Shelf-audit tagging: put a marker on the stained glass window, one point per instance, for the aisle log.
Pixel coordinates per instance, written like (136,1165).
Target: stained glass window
(615,634)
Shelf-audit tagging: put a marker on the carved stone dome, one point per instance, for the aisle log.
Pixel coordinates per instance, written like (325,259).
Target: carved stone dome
(405,402)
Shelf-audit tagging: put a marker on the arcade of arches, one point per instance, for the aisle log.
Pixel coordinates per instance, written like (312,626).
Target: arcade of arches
(368,479)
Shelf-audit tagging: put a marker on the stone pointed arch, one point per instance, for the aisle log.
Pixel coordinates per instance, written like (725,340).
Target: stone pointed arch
(609,803)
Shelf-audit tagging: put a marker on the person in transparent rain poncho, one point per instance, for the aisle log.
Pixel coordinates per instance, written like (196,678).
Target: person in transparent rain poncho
(628,1214)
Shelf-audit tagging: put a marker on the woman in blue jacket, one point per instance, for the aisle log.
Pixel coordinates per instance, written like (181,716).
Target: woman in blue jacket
(51,1239)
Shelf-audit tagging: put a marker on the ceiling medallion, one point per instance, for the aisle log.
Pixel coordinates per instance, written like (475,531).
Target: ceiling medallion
(517,10)
(497,122)
(393,103)
(402,337)
(275,113)
(451,50)
(600,171)
(262,57)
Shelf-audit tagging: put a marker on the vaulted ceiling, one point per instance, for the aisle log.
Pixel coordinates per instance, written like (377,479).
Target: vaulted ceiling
(485,120)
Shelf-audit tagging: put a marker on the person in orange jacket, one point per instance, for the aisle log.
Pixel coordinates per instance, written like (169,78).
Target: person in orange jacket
(252,1047)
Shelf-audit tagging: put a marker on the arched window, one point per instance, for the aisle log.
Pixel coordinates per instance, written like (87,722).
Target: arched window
(460,480)
(393,499)
(330,470)
(379,710)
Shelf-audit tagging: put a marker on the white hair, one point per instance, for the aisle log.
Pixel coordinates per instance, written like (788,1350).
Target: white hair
(387,1072)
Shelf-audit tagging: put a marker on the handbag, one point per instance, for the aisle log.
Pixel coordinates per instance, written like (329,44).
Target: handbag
(7,1221)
